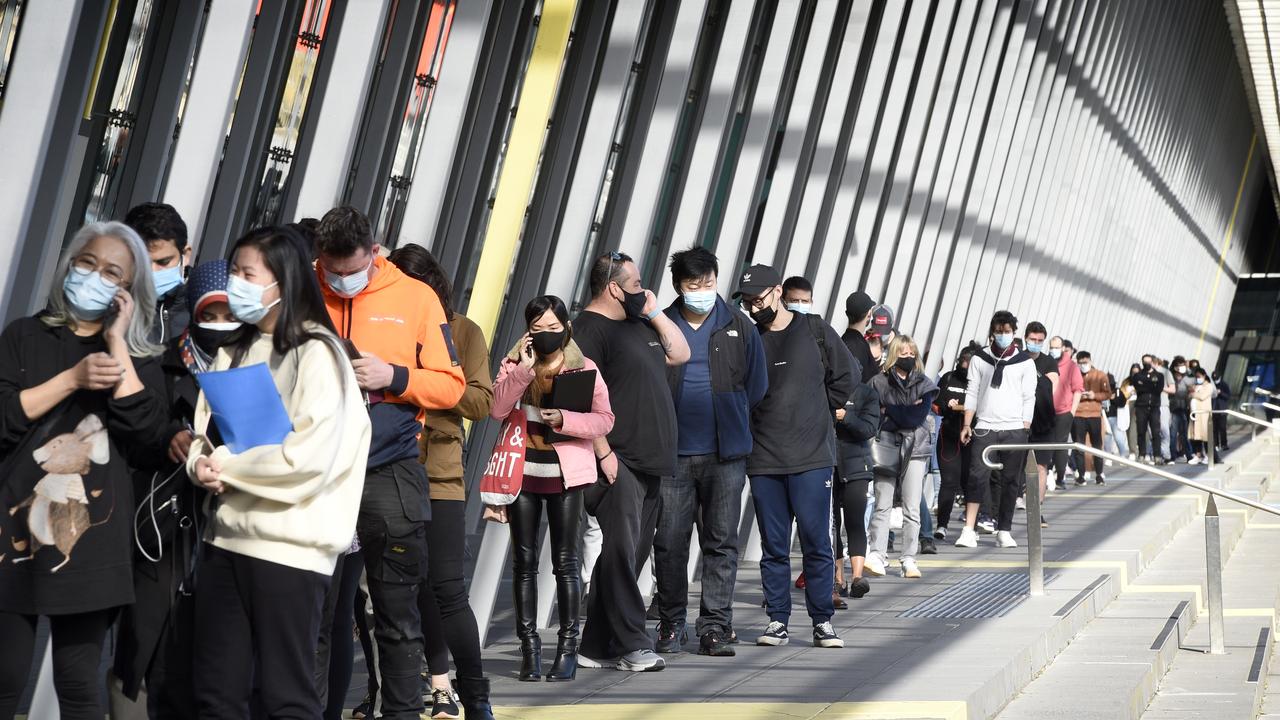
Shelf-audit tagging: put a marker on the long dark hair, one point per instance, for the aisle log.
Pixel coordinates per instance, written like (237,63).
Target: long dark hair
(301,301)
(536,308)
(418,263)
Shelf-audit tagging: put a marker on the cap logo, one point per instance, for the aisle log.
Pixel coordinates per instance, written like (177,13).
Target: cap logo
(746,278)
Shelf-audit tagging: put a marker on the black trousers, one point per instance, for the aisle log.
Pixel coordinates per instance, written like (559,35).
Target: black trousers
(253,612)
(448,624)
(564,520)
(850,497)
(953,464)
(1148,419)
(615,610)
(1006,480)
(1092,427)
(1219,430)
(342,650)
(1062,423)
(77,649)
(392,527)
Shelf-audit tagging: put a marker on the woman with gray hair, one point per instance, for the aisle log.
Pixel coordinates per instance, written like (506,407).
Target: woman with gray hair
(74,408)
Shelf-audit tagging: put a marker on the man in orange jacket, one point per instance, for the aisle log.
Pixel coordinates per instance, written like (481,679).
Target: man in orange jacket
(407,365)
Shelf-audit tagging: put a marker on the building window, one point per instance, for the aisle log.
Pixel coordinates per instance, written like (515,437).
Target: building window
(390,214)
(121,118)
(291,110)
(10,19)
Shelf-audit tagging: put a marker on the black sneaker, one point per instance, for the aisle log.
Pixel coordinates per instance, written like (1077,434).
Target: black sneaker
(1100,481)
(1080,481)
(364,711)
(714,644)
(671,638)
(859,587)
(775,635)
(732,637)
(444,705)
(824,636)
(1043,523)
(927,547)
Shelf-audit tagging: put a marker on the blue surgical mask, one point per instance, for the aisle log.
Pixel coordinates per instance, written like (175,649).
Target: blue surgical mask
(245,299)
(802,308)
(1035,347)
(1055,353)
(1199,381)
(348,286)
(166,279)
(699,302)
(88,294)
(1004,340)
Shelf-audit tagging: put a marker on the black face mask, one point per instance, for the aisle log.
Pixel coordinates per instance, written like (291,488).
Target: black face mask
(905,364)
(764,315)
(633,303)
(210,340)
(547,342)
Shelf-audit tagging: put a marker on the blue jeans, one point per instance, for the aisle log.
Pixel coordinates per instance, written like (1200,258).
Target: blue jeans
(707,491)
(1178,444)
(806,498)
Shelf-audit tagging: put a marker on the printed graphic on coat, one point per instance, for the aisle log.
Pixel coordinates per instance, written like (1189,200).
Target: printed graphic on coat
(58,508)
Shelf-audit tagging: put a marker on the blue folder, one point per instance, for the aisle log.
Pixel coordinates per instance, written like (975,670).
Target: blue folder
(246,406)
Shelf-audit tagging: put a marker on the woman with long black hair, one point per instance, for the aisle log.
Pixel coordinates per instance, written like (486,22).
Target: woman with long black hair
(76,410)
(953,456)
(557,467)
(284,510)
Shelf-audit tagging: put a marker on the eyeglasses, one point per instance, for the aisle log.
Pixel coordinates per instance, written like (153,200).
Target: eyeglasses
(760,301)
(111,273)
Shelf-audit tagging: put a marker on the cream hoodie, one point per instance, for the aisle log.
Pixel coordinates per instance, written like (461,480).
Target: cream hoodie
(294,503)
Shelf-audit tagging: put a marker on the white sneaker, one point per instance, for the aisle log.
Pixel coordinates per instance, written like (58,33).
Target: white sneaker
(592,663)
(1004,539)
(1109,463)
(940,533)
(874,565)
(1020,503)
(968,539)
(1194,461)
(909,568)
(1133,456)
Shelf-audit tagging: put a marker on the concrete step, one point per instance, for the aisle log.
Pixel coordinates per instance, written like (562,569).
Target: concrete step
(1232,685)
(1122,656)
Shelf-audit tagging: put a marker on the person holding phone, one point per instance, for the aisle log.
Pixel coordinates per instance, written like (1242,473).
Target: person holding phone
(557,467)
(284,511)
(77,409)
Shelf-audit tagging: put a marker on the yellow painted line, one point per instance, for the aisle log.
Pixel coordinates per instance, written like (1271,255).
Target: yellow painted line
(1226,245)
(1249,612)
(870,710)
(1264,526)
(528,133)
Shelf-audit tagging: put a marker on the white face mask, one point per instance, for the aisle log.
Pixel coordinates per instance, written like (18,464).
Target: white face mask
(798,307)
(1055,353)
(1085,368)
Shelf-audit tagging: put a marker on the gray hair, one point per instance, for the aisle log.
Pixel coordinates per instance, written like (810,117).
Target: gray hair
(142,288)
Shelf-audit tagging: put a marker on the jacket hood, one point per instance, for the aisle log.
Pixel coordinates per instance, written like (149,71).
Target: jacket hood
(573,358)
(386,276)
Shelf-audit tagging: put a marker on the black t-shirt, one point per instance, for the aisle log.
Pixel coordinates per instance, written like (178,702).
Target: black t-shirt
(951,387)
(1046,365)
(634,366)
(861,352)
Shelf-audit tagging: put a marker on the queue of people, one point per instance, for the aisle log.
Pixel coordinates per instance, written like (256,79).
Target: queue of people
(239,560)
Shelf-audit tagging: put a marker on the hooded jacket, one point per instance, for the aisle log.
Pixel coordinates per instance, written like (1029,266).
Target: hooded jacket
(739,377)
(401,322)
(853,433)
(906,406)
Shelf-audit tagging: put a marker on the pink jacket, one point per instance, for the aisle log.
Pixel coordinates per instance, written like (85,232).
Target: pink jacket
(577,456)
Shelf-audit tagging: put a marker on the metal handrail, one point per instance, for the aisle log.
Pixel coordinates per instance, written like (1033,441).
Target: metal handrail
(1212,529)
(1267,405)
(1237,414)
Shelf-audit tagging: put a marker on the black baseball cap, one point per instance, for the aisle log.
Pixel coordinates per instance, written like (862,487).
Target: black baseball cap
(757,280)
(857,305)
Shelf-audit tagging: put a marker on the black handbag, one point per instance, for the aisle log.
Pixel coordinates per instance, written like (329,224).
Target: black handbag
(886,454)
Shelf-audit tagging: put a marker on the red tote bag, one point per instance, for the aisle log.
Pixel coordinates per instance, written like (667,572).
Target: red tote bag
(504,474)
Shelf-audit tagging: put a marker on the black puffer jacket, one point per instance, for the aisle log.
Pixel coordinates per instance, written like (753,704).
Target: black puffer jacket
(854,433)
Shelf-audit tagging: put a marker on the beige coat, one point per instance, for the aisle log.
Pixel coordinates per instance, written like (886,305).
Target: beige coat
(1202,405)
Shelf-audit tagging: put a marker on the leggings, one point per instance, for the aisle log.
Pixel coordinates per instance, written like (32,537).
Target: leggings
(851,498)
(448,624)
(77,651)
(342,651)
(953,463)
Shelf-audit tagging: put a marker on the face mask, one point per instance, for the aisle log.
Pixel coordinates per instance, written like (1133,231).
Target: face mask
(1181,369)
(633,303)
(245,299)
(166,280)
(1146,365)
(1085,368)
(88,294)
(547,342)
(1035,347)
(211,335)
(764,315)
(1199,381)
(1055,353)
(1004,340)
(802,308)
(349,286)
(905,364)
(700,302)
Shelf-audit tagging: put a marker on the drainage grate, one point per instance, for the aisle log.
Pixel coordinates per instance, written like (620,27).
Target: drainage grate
(980,595)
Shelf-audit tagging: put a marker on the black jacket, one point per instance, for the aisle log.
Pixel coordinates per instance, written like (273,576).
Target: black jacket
(1149,383)
(172,317)
(854,433)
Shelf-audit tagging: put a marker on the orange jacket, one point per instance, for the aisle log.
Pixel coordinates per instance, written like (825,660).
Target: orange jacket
(400,320)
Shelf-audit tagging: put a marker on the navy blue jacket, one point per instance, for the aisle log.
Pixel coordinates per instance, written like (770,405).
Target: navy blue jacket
(739,377)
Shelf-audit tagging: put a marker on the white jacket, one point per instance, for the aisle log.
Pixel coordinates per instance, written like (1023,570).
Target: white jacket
(294,503)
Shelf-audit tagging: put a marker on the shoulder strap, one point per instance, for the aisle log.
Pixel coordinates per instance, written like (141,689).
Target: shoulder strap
(820,336)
